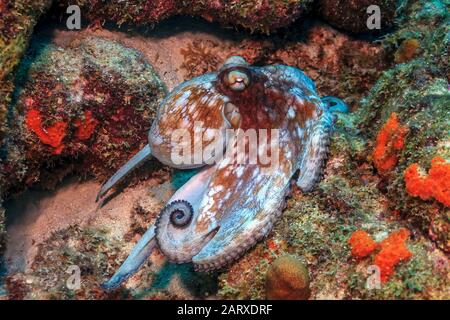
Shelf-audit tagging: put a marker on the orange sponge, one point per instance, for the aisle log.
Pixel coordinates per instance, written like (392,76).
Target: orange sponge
(52,136)
(393,250)
(390,140)
(362,244)
(435,185)
(85,128)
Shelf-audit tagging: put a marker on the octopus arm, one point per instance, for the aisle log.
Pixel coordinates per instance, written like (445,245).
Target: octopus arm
(137,160)
(140,253)
(290,77)
(248,199)
(315,152)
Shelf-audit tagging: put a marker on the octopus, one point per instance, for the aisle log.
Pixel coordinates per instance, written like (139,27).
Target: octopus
(235,199)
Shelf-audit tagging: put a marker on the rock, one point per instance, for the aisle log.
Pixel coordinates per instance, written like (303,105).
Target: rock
(255,15)
(354,195)
(287,279)
(87,107)
(339,65)
(18,19)
(416,91)
(351,15)
(90,249)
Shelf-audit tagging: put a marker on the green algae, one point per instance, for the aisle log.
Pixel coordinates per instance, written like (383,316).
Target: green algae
(16,27)
(417,91)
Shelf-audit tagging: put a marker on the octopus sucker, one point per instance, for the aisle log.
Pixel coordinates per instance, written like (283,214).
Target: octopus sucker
(229,206)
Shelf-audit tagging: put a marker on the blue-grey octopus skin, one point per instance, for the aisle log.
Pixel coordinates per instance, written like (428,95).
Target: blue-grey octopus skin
(228,207)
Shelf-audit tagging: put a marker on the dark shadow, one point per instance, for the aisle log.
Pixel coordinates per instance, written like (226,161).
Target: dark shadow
(199,284)
(104,201)
(180,177)
(3,273)
(35,49)
(15,207)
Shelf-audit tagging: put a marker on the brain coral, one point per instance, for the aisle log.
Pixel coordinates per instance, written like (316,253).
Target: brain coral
(287,279)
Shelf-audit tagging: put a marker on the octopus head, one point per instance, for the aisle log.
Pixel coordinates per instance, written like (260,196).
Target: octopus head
(235,75)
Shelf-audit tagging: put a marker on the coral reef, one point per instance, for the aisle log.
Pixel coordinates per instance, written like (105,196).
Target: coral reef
(352,15)
(287,279)
(203,56)
(317,228)
(354,196)
(384,196)
(339,65)
(66,248)
(88,104)
(417,92)
(97,251)
(254,15)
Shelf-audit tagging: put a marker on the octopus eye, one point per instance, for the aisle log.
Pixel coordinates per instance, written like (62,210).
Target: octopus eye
(181,213)
(237,80)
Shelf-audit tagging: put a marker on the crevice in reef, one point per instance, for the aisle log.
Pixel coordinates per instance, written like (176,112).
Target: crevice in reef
(312,47)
